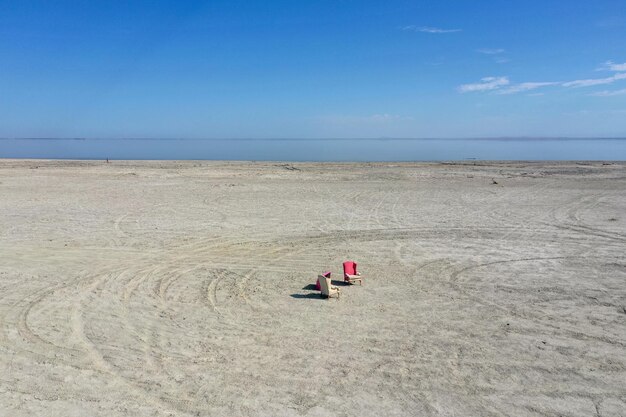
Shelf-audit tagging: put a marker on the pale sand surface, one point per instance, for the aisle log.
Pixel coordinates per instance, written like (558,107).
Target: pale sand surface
(180,289)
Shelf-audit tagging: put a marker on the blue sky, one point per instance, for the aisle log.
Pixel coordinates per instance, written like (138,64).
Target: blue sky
(312,69)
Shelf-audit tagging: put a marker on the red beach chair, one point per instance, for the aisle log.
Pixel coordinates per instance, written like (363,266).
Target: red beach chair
(317,284)
(350,273)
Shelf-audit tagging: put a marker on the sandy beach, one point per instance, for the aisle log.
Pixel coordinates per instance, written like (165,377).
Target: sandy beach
(186,289)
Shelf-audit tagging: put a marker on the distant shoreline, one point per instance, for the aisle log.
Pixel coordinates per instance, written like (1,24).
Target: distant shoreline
(468,161)
(312,150)
(516,139)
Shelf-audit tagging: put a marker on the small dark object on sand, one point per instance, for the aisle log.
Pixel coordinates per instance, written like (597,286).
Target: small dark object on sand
(289,167)
(494,181)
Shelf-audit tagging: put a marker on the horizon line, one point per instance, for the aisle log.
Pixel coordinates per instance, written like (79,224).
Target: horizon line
(515,138)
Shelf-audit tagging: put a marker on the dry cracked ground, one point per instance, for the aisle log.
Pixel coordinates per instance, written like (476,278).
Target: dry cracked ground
(184,289)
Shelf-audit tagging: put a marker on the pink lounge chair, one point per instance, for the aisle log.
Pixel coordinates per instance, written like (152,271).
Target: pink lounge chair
(317,284)
(350,273)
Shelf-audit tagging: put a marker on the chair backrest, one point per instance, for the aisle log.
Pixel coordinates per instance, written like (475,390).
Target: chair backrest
(324,284)
(349,268)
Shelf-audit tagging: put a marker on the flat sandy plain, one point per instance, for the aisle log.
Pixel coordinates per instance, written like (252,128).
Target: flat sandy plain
(184,289)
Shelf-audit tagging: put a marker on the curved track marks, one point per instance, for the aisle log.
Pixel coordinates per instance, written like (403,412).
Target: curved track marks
(201,304)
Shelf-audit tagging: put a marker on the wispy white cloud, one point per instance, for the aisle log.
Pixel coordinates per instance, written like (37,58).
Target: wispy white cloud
(609,93)
(485,84)
(501,60)
(386,117)
(519,88)
(612,66)
(595,81)
(374,119)
(490,51)
(429,29)
(501,85)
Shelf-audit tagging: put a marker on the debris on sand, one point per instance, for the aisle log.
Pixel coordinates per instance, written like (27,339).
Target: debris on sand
(289,167)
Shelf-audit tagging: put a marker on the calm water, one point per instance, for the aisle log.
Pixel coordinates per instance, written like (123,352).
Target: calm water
(318,149)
